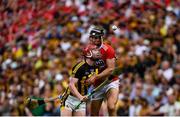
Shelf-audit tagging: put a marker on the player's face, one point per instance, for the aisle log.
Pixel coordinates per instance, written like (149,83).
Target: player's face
(96,54)
(96,40)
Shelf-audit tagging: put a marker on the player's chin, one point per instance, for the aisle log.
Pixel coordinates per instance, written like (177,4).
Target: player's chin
(97,42)
(98,45)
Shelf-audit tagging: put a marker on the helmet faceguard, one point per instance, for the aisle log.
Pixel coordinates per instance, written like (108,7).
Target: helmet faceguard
(96,33)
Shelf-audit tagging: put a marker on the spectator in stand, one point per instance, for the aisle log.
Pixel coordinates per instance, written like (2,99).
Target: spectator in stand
(172,108)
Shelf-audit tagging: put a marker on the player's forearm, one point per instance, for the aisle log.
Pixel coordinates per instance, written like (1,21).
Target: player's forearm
(74,91)
(107,72)
(50,99)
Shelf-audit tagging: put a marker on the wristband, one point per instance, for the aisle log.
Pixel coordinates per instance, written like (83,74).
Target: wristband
(60,96)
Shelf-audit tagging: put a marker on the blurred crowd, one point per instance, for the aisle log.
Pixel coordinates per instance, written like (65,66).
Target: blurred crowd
(41,40)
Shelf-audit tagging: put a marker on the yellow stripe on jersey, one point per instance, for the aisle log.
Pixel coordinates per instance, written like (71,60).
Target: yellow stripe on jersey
(77,67)
(96,71)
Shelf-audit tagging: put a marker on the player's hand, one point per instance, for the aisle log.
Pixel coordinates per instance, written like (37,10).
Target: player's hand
(27,101)
(84,98)
(91,80)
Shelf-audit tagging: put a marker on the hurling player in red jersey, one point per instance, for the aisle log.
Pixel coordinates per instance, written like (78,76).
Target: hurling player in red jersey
(106,66)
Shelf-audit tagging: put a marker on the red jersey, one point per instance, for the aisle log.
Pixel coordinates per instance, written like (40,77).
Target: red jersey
(107,52)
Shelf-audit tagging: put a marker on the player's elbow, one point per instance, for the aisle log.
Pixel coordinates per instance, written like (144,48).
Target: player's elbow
(71,85)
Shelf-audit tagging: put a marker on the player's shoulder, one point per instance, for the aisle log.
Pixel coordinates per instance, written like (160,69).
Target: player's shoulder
(107,47)
(78,66)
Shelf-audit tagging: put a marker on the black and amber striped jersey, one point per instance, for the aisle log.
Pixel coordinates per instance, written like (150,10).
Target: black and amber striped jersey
(82,71)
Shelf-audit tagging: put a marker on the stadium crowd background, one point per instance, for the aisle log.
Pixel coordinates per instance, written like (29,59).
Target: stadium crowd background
(40,41)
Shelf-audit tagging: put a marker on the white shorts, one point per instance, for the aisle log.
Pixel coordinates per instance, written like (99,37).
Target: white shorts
(100,94)
(71,103)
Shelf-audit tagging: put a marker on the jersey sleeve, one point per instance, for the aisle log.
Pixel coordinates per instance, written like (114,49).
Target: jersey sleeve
(110,53)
